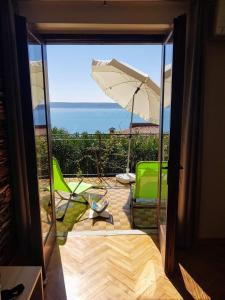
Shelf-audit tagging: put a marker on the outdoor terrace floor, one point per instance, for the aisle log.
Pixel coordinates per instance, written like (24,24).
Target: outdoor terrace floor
(119,208)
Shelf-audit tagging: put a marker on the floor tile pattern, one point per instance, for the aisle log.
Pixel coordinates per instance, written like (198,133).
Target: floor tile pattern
(118,196)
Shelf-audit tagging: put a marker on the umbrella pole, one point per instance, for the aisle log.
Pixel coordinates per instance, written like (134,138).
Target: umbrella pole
(130,131)
(130,135)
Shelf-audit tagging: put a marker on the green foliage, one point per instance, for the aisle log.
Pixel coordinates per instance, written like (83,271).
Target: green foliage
(85,153)
(42,156)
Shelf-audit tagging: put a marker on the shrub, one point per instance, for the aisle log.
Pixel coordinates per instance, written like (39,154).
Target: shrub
(85,153)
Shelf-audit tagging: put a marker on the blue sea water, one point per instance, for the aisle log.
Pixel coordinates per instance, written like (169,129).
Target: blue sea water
(92,117)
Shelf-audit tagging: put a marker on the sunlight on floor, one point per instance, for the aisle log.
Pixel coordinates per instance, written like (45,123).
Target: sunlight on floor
(192,286)
(114,267)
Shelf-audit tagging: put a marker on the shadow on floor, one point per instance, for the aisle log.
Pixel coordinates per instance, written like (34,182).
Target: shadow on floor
(200,271)
(55,285)
(108,220)
(72,214)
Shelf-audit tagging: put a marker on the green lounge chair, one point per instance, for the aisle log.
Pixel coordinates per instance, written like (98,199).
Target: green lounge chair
(60,185)
(144,192)
(74,189)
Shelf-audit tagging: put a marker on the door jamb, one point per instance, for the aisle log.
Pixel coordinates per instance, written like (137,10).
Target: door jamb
(107,39)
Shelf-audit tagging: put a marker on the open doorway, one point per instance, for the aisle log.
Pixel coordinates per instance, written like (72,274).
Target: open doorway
(91,132)
(28,118)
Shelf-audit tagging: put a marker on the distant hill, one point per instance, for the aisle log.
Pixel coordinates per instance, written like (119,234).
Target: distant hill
(84,105)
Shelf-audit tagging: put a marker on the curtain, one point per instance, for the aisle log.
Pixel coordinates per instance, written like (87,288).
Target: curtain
(188,201)
(16,150)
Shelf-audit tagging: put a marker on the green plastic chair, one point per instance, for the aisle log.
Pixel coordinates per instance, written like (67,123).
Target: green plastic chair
(73,188)
(76,189)
(145,190)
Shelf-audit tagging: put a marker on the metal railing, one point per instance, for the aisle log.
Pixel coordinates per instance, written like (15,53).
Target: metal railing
(102,154)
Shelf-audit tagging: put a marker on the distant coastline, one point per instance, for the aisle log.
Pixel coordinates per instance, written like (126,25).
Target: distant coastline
(84,105)
(90,116)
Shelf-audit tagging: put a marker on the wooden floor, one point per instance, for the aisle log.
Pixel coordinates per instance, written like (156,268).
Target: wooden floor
(109,267)
(201,270)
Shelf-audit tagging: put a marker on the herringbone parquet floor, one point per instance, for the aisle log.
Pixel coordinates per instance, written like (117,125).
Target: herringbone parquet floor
(114,268)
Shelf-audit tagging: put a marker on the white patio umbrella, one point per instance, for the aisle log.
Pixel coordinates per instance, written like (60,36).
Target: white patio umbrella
(37,83)
(133,90)
(167,85)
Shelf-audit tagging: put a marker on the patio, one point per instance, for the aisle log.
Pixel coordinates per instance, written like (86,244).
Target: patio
(119,208)
(91,156)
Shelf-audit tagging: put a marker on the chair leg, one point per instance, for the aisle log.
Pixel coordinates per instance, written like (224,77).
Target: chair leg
(61,219)
(70,198)
(131,210)
(61,198)
(132,214)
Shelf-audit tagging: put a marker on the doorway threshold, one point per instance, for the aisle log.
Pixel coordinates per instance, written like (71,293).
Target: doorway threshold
(112,232)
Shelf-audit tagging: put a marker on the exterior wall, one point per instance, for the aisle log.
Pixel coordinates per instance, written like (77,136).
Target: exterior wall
(212,208)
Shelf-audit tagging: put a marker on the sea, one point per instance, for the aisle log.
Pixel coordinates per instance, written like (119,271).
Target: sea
(87,117)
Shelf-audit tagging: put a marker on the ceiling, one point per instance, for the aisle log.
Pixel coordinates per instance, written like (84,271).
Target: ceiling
(93,16)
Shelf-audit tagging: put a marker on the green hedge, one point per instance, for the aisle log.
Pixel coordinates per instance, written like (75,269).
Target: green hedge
(79,153)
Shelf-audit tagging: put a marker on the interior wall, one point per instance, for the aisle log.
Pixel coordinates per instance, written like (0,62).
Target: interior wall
(212,204)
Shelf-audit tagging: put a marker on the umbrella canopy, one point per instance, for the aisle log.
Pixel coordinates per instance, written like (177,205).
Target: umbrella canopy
(167,85)
(121,82)
(37,83)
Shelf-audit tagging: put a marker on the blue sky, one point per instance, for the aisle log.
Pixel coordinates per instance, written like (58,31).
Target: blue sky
(69,68)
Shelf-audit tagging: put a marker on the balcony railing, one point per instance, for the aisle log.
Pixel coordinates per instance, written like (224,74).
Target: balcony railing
(105,154)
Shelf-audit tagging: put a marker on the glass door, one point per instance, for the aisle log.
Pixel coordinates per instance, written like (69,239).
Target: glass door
(41,123)
(173,58)
(165,138)
(36,134)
